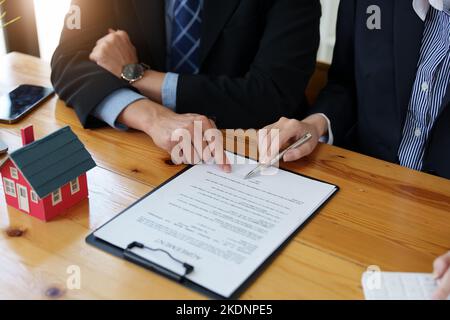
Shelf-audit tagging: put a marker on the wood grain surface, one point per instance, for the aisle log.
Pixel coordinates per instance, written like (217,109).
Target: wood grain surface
(384,215)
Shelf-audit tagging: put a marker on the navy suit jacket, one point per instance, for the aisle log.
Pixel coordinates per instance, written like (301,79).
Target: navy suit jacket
(257,57)
(371,80)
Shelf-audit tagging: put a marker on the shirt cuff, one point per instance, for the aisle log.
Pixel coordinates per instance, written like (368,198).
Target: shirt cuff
(112,106)
(169,91)
(328,139)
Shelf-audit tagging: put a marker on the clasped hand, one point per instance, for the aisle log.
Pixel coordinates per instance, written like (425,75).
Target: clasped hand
(167,128)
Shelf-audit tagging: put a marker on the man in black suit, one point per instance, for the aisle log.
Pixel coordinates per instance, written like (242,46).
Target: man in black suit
(239,63)
(388,93)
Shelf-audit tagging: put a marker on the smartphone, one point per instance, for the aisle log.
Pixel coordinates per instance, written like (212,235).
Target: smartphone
(3,148)
(16,104)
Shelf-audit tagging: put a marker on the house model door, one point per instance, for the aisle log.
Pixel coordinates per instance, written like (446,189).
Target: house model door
(22,193)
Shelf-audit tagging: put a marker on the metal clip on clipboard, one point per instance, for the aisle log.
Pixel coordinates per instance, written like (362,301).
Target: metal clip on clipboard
(132,257)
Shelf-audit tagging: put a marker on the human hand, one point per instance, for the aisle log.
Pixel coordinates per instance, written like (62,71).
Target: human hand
(114,51)
(442,274)
(290,131)
(189,138)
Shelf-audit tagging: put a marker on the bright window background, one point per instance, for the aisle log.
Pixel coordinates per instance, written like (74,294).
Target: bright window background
(50,16)
(2,38)
(50,20)
(2,43)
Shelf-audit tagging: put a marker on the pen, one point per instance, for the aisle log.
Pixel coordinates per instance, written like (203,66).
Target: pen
(280,156)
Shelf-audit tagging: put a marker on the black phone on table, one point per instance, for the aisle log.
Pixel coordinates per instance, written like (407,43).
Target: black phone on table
(16,104)
(3,148)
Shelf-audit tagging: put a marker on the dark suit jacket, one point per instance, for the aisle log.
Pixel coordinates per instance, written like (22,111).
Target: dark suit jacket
(371,80)
(257,57)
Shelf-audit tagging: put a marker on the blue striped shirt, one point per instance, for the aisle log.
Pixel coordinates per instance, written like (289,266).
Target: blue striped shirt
(432,80)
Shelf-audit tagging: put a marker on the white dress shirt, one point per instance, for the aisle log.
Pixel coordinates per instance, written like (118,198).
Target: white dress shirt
(423,6)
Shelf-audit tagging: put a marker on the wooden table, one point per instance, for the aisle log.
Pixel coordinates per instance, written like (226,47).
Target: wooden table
(384,215)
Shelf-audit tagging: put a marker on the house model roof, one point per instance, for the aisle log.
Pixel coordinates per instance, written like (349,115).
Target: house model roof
(51,162)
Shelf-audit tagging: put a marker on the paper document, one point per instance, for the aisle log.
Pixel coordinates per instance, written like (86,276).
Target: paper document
(398,286)
(224,226)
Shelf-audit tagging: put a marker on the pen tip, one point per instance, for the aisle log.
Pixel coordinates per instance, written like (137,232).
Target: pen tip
(249,175)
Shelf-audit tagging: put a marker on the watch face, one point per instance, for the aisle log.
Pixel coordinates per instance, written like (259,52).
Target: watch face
(133,72)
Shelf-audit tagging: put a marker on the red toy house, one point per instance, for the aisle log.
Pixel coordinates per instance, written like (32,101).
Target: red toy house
(47,176)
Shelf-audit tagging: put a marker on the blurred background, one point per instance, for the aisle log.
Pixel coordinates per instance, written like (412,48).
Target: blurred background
(38,30)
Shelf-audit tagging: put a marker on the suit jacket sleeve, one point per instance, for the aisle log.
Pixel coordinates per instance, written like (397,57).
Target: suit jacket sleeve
(338,99)
(81,83)
(275,83)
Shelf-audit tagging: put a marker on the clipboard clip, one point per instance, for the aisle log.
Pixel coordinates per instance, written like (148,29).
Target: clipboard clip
(132,257)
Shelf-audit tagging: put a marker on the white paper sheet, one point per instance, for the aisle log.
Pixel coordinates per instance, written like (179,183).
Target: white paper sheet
(398,286)
(223,225)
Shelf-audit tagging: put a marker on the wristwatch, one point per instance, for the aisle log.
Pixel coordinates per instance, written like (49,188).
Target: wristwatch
(134,72)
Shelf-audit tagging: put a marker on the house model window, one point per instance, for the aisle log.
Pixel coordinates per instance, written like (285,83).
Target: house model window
(34,197)
(56,197)
(14,173)
(10,187)
(74,186)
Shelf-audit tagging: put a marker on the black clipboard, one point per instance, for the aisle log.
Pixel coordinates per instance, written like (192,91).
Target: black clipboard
(181,279)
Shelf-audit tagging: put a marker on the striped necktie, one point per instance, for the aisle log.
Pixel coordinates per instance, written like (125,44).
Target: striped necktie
(186,36)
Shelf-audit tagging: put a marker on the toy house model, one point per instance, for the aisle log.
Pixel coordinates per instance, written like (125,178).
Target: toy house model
(47,176)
